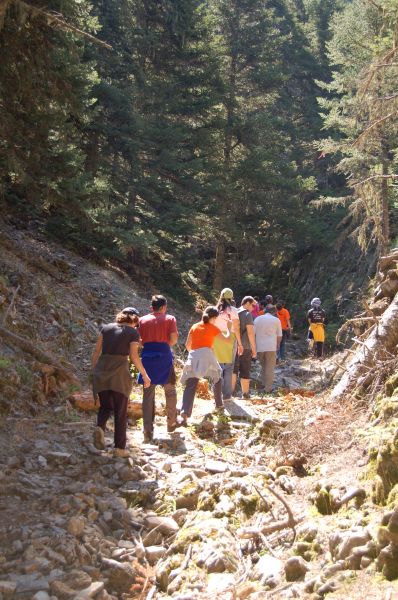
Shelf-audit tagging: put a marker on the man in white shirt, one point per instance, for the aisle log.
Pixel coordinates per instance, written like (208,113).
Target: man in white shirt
(268,331)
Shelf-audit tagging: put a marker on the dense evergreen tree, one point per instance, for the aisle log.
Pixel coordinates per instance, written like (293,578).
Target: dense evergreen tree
(184,151)
(361,114)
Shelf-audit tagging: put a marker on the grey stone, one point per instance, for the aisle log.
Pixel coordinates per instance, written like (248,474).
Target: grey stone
(42,462)
(58,456)
(350,541)
(180,516)
(91,591)
(76,526)
(41,596)
(267,566)
(7,588)
(154,553)
(295,568)
(31,583)
(216,466)
(62,590)
(14,462)
(120,576)
(77,580)
(166,525)
(327,588)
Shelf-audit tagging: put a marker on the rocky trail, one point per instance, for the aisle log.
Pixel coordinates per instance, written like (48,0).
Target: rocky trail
(254,503)
(292,495)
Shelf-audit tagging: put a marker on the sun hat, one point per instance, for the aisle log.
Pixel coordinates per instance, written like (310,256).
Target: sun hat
(227,293)
(130,310)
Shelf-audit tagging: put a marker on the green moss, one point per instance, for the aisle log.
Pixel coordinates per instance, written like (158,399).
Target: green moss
(323,502)
(391,384)
(206,502)
(393,497)
(249,504)
(5,363)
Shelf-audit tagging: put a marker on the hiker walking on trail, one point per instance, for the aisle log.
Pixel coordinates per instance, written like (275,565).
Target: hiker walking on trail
(201,362)
(225,347)
(268,331)
(316,319)
(284,316)
(243,361)
(158,332)
(112,380)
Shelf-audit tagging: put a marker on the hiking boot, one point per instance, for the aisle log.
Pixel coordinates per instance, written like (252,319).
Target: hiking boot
(99,438)
(183,420)
(148,437)
(121,453)
(246,396)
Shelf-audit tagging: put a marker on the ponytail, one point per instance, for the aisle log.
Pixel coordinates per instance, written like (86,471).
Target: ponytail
(209,313)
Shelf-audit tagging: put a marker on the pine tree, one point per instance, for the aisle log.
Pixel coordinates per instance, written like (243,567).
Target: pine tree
(362,114)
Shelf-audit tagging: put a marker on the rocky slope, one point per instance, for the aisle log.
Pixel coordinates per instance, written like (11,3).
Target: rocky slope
(51,304)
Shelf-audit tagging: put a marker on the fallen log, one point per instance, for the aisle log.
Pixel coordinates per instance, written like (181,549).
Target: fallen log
(13,340)
(379,346)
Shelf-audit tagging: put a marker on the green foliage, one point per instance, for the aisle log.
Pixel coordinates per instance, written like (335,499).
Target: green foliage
(185,152)
(359,115)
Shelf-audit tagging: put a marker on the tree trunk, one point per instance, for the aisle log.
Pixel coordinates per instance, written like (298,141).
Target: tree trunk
(219,265)
(381,341)
(13,340)
(385,217)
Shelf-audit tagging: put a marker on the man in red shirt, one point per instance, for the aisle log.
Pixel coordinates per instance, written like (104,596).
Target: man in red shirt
(159,333)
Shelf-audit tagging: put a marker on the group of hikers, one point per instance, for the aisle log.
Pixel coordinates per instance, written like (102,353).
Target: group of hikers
(221,347)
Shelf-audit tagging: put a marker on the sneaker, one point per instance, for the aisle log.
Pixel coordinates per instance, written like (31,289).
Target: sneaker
(148,437)
(121,453)
(183,420)
(171,428)
(99,438)
(246,396)
(220,409)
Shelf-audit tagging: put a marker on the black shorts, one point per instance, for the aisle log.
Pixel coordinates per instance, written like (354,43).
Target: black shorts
(243,364)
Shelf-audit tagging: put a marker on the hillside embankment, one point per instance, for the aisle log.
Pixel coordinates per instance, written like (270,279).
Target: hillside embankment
(292,495)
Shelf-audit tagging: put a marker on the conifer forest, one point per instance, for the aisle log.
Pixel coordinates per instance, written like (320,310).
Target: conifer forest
(197,143)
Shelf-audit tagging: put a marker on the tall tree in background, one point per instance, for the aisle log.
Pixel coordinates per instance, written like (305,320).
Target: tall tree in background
(363,112)
(269,112)
(44,94)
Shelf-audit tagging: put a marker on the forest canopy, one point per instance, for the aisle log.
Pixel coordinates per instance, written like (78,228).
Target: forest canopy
(199,143)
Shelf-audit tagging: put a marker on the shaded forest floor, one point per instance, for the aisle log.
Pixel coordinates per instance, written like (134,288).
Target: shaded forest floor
(196,514)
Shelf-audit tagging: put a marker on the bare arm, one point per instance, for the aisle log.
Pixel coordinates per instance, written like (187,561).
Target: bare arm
(188,343)
(236,330)
(252,339)
(173,339)
(136,360)
(97,351)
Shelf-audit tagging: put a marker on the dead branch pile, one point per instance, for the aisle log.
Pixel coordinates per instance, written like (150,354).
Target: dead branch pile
(325,429)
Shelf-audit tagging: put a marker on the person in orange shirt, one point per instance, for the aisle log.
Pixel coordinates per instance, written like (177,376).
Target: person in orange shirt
(284,316)
(201,362)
